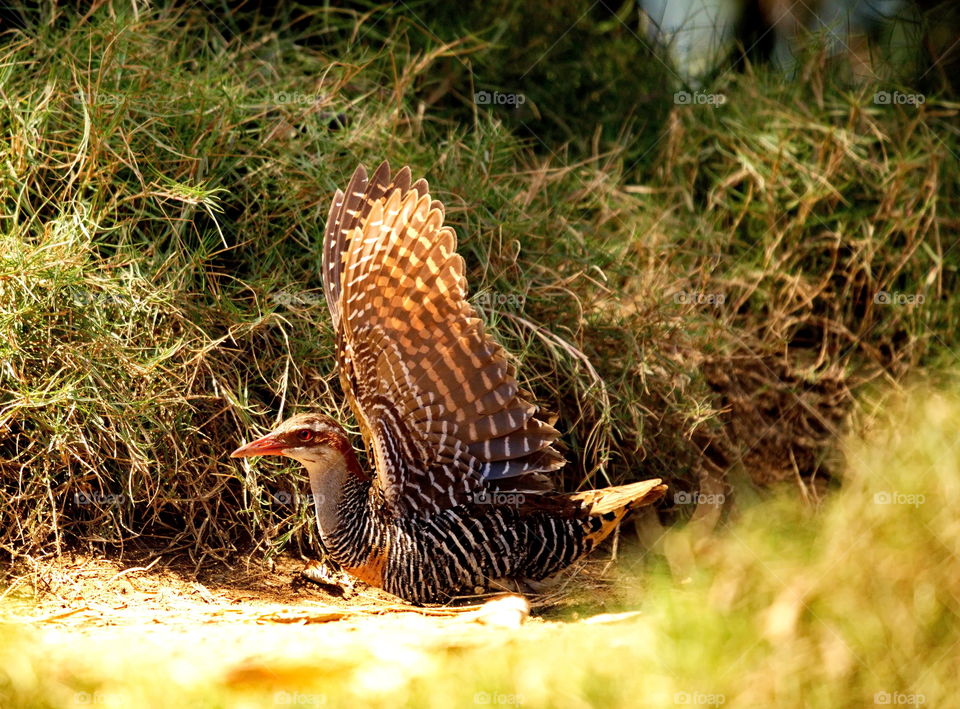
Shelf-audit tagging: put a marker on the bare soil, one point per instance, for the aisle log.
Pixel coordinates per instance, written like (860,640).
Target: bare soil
(256,630)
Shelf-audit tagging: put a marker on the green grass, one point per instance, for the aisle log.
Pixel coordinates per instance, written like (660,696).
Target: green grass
(693,293)
(850,605)
(718,295)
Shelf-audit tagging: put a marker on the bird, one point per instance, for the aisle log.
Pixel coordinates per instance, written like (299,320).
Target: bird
(461,499)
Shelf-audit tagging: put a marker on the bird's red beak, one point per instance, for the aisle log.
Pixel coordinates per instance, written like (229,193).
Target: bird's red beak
(267,445)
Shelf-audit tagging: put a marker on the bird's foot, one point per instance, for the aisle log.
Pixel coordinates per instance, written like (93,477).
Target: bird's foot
(332,579)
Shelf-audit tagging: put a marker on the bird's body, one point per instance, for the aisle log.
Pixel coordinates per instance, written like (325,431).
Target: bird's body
(459,501)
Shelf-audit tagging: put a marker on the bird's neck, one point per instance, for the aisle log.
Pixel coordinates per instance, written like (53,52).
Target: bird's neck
(337,483)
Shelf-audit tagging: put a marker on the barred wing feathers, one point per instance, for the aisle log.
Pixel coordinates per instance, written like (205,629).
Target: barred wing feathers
(437,401)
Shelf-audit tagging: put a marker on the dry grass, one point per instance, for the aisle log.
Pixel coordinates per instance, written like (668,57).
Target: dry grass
(709,294)
(702,309)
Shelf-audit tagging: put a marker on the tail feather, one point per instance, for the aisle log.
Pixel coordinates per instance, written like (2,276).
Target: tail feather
(623,497)
(598,512)
(606,508)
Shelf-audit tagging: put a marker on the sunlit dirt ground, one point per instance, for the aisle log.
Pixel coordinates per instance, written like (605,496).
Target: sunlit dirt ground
(262,630)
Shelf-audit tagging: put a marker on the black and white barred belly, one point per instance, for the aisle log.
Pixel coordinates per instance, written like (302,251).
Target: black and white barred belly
(456,551)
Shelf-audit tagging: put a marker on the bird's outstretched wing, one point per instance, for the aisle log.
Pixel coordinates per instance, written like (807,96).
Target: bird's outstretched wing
(437,401)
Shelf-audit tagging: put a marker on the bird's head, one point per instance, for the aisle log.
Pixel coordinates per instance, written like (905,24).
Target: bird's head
(308,438)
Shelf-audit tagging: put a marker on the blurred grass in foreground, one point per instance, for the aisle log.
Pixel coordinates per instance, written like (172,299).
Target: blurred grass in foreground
(852,605)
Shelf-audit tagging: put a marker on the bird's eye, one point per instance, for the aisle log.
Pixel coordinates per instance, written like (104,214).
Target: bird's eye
(305,435)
